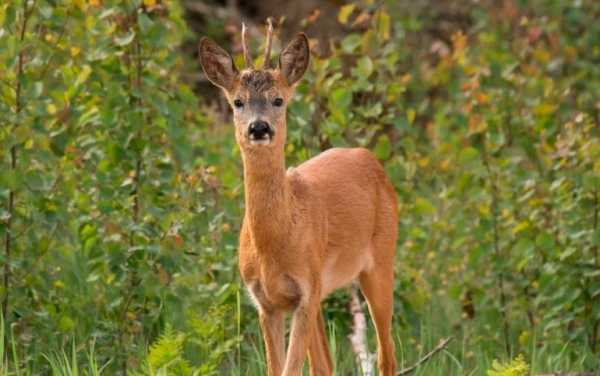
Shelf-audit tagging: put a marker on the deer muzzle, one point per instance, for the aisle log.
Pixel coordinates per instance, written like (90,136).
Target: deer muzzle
(260,133)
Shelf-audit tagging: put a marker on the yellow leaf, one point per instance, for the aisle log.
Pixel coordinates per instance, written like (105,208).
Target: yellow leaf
(484,210)
(544,109)
(570,52)
(542,55)
(445,165)
(383,25)
(410,115)
(524,338)
(345,13)
(481,98)
(150,3)
(521,227)
(51,108)
(191,179)
(459,44)
(83,75)
(75,51)
(80,4)
(459,41)
(476,125)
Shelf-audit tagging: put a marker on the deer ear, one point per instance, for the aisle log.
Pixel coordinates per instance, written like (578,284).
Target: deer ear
(217,64)
(293,61)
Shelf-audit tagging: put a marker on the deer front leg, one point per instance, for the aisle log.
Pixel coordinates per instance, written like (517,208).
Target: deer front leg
(303,321)
(272,324)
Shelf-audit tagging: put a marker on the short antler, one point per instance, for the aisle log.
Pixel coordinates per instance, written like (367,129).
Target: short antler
(267,62)
(247,57)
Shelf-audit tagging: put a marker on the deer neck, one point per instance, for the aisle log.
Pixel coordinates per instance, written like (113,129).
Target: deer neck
(268,198)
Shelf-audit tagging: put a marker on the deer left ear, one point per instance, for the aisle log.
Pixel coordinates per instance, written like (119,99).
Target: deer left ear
(293,61)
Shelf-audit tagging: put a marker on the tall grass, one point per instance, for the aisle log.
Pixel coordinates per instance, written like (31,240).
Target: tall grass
(464,356)
(63,364)
(59,362)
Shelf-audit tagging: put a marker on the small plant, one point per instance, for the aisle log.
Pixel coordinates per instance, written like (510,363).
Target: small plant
(515,367)
(166,355)
(171,353)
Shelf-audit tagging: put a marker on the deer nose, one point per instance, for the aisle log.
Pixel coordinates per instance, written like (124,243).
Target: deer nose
(259,130)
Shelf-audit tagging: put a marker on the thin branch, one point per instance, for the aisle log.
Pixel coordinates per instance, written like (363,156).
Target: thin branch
(132,278)
(42,75)
(13,165)
(443,344)
(495,214)
(593,334)
(595,224)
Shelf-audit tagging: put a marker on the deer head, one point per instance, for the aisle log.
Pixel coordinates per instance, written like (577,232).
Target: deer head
(258,97)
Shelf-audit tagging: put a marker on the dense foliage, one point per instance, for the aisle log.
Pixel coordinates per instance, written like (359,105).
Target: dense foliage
(122,195)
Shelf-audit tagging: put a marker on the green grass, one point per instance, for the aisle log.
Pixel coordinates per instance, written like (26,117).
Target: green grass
(468,354)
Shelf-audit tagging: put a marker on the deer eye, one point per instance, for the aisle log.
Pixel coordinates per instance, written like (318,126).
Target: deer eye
(278,102)
(238,103)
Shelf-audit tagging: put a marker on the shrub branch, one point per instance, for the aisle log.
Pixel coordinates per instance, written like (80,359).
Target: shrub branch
(13,164)
(441,346)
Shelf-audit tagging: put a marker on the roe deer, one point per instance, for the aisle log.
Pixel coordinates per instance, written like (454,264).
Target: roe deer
(308,230)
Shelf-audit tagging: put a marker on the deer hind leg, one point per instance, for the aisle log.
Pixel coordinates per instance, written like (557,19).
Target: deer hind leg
(319,359)
(377,286)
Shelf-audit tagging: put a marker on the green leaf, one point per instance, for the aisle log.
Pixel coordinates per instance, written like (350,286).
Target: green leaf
(125,39)
(596,237)
(145,22)
(339,103)
(83,75)
(383,148)
(66,324)
(424,206)
(468,154)
(364,67)
(351,43)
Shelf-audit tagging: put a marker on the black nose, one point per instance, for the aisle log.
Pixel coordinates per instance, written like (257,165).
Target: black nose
(259,130)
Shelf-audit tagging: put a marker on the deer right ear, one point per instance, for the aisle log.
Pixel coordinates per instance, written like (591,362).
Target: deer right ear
(217,64)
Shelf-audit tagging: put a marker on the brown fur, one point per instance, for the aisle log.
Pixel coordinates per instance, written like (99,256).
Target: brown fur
(310,230)
(257,81)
